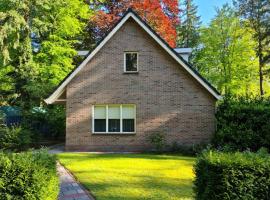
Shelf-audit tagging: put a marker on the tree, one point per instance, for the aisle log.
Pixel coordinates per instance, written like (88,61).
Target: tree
(188,29)
(226,55)
(60,37)
(162,15)
(37,43)
(15,46)
(257,13)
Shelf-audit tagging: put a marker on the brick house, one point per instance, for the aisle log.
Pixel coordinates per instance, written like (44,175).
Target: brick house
(133,85)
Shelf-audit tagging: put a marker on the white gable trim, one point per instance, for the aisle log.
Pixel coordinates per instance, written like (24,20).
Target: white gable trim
(61,88)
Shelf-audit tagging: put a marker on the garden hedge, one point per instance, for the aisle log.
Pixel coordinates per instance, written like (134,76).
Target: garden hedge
(14,138)
(243,124)
(237,176)
(28,176)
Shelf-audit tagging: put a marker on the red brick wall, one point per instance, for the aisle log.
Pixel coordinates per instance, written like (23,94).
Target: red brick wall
(167,98)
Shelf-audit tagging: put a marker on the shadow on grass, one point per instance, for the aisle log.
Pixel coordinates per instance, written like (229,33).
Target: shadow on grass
(128,176)
(150,187)
(122,156)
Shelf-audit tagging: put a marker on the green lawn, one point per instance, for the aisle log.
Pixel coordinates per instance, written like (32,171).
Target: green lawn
(132,176)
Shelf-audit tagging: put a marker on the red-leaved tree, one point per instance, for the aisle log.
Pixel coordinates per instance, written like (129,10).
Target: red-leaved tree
(161,15)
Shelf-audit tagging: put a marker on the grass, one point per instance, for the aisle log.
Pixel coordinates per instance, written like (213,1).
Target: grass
(132,176)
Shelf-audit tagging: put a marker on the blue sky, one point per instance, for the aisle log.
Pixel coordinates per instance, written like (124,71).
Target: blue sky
(206,8)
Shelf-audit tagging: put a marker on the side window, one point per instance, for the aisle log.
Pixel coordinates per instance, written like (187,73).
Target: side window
(131,62)
(114,118)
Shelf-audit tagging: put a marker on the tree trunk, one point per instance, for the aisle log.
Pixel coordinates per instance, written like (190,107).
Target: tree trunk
(261,78)
(261,67)
(188,23)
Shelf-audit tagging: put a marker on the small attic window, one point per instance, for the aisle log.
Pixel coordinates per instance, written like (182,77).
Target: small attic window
(131,62)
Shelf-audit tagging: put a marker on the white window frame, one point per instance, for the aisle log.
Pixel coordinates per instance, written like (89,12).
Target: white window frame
(130,72)
(107,119)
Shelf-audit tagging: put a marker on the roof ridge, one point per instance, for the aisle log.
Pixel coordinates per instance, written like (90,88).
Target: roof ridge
(111,31)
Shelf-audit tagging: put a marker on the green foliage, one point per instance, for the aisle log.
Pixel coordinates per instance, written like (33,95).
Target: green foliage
(14,138)
(188,29)
(46,123)
(64,29)
(158,141)
(12,22)
(243,124)
(192,150)
(225,176)
(29,73)
(16,64)
(28,176)
(2,118)
(227,56)
(256,12)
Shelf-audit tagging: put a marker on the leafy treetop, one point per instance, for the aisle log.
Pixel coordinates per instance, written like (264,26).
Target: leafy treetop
(162,16)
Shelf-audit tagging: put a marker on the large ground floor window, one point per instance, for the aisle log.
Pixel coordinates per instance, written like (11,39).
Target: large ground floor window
(114,118)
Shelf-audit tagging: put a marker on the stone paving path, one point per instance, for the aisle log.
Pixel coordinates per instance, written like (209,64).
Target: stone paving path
(70,189)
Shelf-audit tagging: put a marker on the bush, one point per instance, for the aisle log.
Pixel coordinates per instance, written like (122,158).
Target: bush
(238,176)
(243,124)
(45,123)
(158,141)
(14,138)
(188,150)
(28,176)
(2,118)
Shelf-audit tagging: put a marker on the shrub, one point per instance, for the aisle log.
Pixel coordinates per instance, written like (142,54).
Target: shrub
(28,176)
(243,124)
(45,123)
(238,176)
(14,138)
(2,118)
(188,150)
(158,141)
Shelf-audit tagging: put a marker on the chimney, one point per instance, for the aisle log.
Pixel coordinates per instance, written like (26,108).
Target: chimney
(184,52)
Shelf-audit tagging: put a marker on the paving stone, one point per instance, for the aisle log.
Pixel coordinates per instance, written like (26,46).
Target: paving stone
(69,192)
(83,198)
(80,191)
(69,188)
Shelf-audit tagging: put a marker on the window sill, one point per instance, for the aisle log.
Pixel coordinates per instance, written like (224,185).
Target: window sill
(114,133)
(131,72)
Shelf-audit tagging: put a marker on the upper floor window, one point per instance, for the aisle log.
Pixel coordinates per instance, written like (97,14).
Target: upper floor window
(131,62)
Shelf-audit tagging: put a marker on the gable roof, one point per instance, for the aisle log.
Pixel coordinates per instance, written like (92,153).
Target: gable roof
(131,14)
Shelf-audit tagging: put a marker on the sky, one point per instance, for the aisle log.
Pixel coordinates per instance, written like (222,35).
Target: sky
(206,8)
